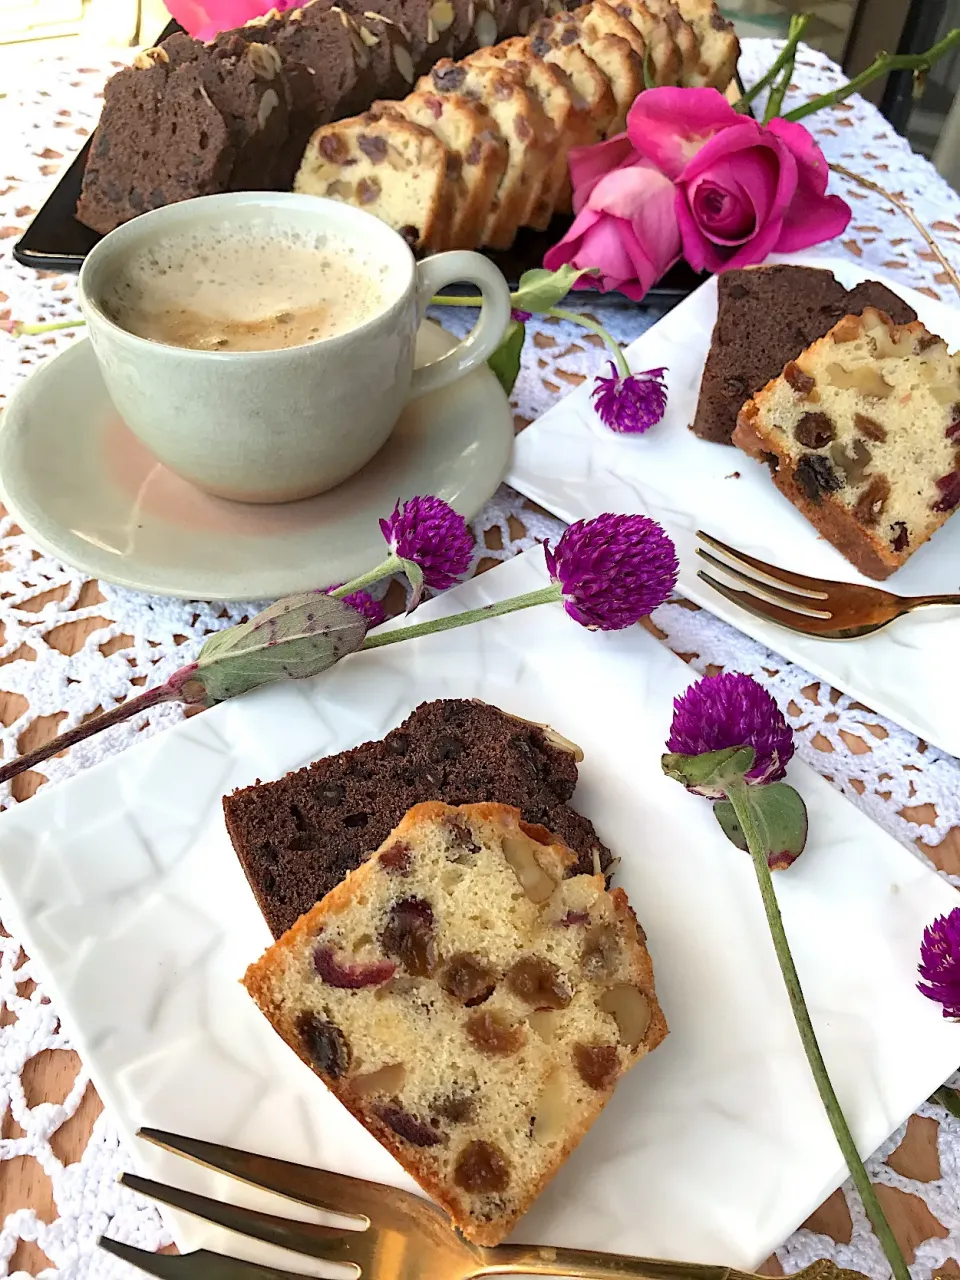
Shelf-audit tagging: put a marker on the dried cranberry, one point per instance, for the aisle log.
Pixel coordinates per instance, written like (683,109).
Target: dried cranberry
(450,78)
(324,1044)
(901,539)
(573,918)
(491,1033)
(473,152)
(570,35)
(468,979)
(815,430)
(597,1064)
(339,973)
(539,47)
(373,148)
(816,476)
(410,234)
(461,837)
(801,382)
(537,981)
(481,1168)
(396,858)
(417,1132)
(408,935)
(333,147)
(368,190)
(949,486)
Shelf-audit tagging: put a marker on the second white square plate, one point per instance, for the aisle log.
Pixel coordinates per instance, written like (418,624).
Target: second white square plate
(122,885)
(575,467)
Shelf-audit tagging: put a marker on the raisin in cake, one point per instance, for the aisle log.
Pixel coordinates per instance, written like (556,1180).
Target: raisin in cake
(471,1007)
(765,318)
(298,837)
(862,432)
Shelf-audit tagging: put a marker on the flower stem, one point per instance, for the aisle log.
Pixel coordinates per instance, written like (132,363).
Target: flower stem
(775,100)
(619,358)
(787,54)
(545,595)
(457,302)
(172,691)
(738,797)
(387,569)
(884,63)
(19,330)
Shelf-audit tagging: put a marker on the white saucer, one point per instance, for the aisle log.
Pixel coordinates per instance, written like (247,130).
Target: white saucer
(79,483)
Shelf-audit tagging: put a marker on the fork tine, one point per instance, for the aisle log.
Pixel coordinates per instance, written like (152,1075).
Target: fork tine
(202,1264)
(802,605)
(333,1244)
(769,611)
(336,1192)
(782,577)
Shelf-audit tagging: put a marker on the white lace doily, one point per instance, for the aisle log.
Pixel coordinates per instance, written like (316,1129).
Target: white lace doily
(909,788)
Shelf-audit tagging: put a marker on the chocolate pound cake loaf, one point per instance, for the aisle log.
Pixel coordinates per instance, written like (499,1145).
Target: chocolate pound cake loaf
(468,1004)
(765,318)
(298,837)
(862,434)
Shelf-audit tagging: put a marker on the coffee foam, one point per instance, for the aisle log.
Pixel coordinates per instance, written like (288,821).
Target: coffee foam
(248,288)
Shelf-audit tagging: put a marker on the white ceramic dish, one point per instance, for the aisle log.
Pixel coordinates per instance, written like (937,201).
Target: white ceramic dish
(80,484)
(123,887)
(572,465)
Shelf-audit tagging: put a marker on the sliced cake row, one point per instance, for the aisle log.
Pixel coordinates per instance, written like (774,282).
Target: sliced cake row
(480,148)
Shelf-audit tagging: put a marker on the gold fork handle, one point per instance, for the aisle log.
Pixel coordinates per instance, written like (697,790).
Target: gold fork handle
(584,1264)
(918,602)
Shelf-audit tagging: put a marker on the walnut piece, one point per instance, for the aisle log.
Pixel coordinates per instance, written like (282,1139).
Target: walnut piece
(388,1079)
(551,1109)
(862,377)
(521,853)
(630,1009)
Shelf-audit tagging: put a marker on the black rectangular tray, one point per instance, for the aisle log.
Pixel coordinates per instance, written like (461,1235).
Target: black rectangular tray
(56,241)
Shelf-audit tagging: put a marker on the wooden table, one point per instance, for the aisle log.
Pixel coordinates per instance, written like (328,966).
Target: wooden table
(49,1075)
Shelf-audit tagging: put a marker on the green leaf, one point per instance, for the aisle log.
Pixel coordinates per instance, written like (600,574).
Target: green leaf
(948,1098)
(296,637)
(505,361)
(415,578)
(710,772)
(539,289)
(781,819)
(649,70)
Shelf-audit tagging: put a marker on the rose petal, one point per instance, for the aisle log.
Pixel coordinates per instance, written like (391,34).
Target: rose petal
(669,126)
(811,162)
(703,254)
(723,212)
(589,164)
(812,216)
(203,19)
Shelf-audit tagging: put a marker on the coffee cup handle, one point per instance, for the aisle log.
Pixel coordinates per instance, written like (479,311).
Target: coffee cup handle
(434,274)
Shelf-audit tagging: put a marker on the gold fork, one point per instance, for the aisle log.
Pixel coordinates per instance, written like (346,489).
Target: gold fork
(393,1236)
(812,606)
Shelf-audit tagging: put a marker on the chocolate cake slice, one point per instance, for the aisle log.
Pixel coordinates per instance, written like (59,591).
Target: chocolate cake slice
(765,317)
(160,139)
(298,837)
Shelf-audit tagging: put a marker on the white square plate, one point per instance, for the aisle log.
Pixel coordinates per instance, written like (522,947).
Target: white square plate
(575,467)
(123,885)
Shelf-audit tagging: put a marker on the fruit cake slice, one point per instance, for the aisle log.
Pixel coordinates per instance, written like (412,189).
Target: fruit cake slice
(524,128)
(551,87)
(471,1007)
(616,58)
(719,46)
(862,434)
(585,76)
(393,168)
(665,57)
(467,129)
(683,35)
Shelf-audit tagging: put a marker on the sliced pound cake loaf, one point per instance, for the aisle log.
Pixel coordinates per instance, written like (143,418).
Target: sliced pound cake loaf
(393,168)
(588,80)
(471,1007)
(862,434)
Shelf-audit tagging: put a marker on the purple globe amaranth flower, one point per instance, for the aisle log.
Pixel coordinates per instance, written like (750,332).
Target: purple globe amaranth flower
(364,603)
(429,532)
(613,570)
(632,404)
(732,710)
(521,317)
(939,965)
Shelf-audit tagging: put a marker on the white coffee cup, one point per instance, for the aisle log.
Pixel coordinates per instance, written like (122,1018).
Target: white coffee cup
(277,425)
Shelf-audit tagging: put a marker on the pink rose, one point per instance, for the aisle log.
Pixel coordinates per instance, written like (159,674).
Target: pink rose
(626,223)
(203,19)
(744,190)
